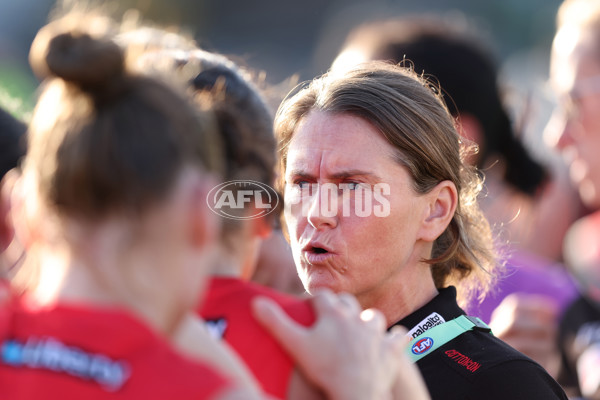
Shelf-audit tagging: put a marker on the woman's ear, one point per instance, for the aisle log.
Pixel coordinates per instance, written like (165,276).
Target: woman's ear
(442,202)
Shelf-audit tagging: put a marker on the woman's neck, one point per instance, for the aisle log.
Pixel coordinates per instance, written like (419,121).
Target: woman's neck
(65,278)
(227,263)
(401,295)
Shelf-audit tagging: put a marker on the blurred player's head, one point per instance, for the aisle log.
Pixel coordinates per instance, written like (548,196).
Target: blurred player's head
(115,179)
(574,128)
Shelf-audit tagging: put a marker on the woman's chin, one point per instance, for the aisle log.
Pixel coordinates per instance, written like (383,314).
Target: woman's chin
(314,284)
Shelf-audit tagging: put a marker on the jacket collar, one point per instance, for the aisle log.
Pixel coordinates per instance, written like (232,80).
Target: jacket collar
(440,309)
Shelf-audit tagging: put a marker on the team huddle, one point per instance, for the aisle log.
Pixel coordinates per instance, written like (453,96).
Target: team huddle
(154,172)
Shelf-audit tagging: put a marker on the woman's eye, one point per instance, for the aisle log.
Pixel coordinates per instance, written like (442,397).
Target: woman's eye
(349,186)
(304,187)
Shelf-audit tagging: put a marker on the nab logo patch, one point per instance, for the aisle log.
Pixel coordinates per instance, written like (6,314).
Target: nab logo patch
(422,345)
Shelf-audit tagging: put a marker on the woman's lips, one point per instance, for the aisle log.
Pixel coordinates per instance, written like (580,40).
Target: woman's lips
(317,252)
(313,257)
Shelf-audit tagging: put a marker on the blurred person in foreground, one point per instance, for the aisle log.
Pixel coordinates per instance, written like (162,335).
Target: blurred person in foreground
(111,209)
(246,122)
(574,130)
(89,208)
(379,203)
(245,115)
(519,198)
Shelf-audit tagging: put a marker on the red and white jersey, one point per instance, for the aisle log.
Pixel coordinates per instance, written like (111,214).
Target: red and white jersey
(77,352)
(226,309)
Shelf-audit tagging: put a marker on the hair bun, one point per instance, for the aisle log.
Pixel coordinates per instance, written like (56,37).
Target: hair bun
(74,53)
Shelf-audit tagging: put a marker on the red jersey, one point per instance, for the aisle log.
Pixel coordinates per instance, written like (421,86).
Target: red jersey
(226,309)
(75,352)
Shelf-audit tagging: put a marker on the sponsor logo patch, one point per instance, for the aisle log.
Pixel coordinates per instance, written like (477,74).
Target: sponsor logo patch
(422,345)
(429,322)
(52,355)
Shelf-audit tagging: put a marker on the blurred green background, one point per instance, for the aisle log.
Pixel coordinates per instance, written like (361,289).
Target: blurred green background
(283,38)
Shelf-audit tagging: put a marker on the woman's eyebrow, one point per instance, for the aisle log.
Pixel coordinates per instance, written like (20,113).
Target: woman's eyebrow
(355,173)
(298,173)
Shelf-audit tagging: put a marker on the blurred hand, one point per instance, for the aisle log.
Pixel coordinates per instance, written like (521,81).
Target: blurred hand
(529,323)
(192,340)
(409,383)
(588,372)
(347,353)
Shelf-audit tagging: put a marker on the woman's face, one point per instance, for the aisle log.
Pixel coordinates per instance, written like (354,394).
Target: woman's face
(352,214)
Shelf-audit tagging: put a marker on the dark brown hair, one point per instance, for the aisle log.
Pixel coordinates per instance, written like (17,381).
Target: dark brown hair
(242,116)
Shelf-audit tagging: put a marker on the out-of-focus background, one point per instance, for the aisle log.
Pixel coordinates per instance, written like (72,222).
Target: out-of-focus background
(285,38)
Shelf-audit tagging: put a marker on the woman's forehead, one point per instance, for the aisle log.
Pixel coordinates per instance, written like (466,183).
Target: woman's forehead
(338,144)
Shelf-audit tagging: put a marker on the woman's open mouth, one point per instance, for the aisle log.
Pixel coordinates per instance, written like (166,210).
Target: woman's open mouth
(316,254)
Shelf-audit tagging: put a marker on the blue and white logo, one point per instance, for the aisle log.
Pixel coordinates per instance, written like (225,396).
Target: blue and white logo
(50,354)
(422,346)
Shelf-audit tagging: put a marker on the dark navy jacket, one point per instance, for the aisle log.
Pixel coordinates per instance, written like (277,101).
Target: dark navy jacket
(476,364)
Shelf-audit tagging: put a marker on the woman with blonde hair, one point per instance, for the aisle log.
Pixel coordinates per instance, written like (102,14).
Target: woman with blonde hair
(380,204)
